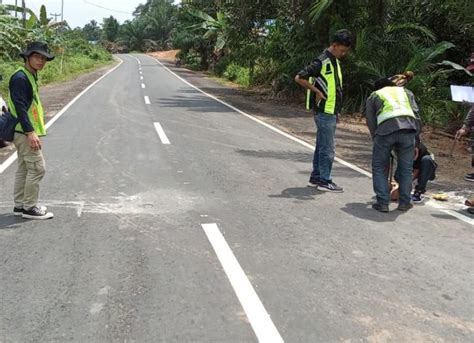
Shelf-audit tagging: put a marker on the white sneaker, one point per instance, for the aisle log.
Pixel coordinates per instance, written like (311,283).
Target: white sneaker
(37,213)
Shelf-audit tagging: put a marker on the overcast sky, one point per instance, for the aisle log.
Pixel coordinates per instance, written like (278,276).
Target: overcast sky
(80,12)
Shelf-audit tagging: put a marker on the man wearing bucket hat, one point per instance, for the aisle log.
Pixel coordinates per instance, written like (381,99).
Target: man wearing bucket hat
(25,104)
(391,115)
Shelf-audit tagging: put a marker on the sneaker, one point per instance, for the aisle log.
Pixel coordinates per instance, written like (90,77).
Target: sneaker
(469,177)
(314,182)
(330,187)
(404,207)
(37,213)
(417,197)
(17,211)
(379,207)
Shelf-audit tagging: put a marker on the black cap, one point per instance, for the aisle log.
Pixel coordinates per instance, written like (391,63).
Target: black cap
(383,82)
(38,47)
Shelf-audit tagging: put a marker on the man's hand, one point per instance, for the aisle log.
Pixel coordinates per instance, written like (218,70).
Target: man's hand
(35,143)
(417,153)
(319,95)
(306,84)
(416,173)
(461,132)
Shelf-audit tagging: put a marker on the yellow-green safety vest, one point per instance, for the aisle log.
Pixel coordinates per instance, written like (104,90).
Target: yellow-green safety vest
(35,111)
(395,104)
(327,83)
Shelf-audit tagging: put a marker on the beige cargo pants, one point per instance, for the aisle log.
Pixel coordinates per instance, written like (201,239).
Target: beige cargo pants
(31,169)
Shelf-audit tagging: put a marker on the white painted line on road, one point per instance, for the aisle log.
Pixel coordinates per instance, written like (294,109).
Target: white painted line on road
(460,216)
(453,213)
(141,77)
(138,61)
(143,85)
(8,162)
(256,313)
(13,157)
(161,133)
(147,100)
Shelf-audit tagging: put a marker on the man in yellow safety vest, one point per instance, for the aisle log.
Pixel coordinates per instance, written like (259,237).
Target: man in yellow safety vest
(323,81)
(392,118)
(25,104)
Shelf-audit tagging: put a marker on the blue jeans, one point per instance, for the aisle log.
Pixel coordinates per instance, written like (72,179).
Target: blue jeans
(324,152)
(403,142)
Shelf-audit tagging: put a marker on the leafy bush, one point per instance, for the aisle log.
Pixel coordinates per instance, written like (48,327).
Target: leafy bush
(240,75)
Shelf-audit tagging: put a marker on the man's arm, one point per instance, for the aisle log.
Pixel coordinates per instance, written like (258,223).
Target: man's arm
(416,111)
(468,124)
(21,95)
(311,70)
(370,113)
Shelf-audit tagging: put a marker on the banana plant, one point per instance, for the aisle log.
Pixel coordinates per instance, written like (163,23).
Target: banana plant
(216,28)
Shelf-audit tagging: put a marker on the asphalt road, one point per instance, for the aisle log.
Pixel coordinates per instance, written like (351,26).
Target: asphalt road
(178,219)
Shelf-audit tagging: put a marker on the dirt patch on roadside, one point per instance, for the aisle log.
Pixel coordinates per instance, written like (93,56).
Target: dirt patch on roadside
(57,95)
(169,55)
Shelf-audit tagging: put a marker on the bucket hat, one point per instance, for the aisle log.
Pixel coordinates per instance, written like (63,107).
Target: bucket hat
(38,47)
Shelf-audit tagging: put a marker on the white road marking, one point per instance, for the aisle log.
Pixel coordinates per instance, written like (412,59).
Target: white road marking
(138,61)
(161,133)
(143,85)
(141,77)
(147,100)
(457,215)
(256,313)
(13,157)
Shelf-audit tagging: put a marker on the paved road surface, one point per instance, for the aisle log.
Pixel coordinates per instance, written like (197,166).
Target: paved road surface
(179,219)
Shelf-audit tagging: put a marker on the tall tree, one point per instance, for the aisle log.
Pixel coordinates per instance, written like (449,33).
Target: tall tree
(91,31)
(110,28)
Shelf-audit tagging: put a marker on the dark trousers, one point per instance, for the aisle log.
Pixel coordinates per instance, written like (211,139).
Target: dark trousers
(427,173)
(403,142)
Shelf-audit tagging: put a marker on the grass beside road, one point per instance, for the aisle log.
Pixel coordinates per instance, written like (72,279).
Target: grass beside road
(73,64)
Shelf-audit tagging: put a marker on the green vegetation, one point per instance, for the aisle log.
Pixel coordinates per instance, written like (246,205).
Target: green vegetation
(74,55)
(265,43)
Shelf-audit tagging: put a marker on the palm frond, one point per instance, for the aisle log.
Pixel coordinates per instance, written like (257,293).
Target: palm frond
(318,8)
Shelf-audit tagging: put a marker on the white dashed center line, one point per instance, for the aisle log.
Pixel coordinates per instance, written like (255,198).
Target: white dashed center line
(161,133)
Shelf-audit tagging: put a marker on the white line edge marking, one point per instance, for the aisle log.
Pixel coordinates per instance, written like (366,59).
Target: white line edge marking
(13,157)
(161,133)
(141,77)
(256,313)
(339,160)
(452,213)
(143,85)
(147,100)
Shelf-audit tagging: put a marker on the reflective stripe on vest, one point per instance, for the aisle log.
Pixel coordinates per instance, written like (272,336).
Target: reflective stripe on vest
(308,94)
(327,82)
(395,104)
(35,111)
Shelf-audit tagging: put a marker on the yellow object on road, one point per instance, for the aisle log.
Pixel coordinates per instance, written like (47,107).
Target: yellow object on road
(440,196)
